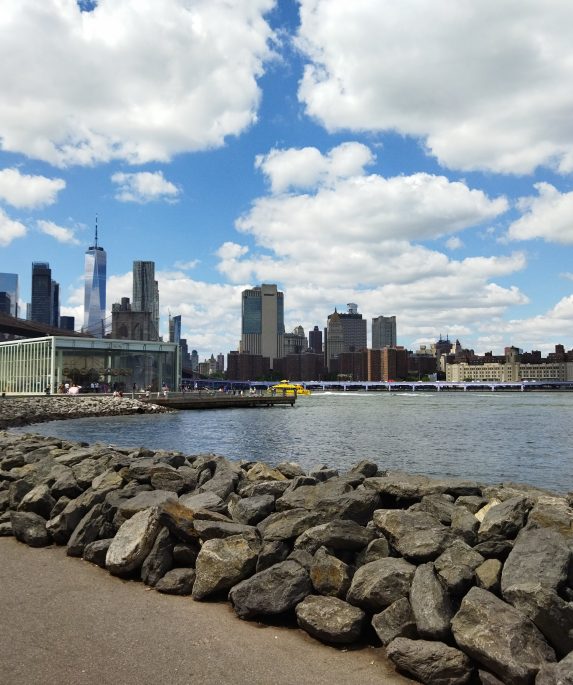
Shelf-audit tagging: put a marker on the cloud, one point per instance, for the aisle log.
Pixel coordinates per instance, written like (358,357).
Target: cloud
(132,80)
(186,266)
(10,229)
(307,167)
(548,216)
(454,243)
(60,233)
(31,192)
(480,84)
(143,187)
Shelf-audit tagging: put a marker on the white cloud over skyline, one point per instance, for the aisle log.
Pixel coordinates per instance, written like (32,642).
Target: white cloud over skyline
(144,186)
(26,191)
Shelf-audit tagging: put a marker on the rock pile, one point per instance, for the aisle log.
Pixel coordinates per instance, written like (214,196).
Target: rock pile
(22,411)
(461,582)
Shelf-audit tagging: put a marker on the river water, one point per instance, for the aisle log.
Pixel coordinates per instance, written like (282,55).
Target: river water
(489,437)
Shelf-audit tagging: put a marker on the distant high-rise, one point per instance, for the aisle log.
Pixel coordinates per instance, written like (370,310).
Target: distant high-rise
(9,286)
(68,323)
(194,360)
(345,333)
(262,322)
(95,289)
(146,291)
(175,329)
(315,340)
(45,295)
(383,332)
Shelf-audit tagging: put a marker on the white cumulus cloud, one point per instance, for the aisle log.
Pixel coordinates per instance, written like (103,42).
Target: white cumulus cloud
(135,80)
(60,233)
(485,85)
(22,190)
(144,186)
(549,215)
(10,229)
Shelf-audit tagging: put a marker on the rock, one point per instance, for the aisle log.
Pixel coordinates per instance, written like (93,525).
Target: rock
(550,613)
(65,484)
(400,488)
(440,506)
(223,482)
(208,530)
(465,525)
(180,520)
(433,663)
(504,520)
(272,552)
(344,535)
(222,563)
(500,638)
(185,554)
(86,471)
(496,548)
(262,472)
(38,500)
(430,604)
(96,552)
(473,503)
(133,542)
(63,525)
(456,567)
(488,575)
(17,490)
(397,523)
(272,591)
(252,510)
(85,532)
(552,512)
(170,480)
(6,529)
(377,549)
(276,488)
(323,473)
(395,621)
(366,468)
(145,500)
(285,525)
(487,678)
(203,500)
(289,469)
(159,560)
(380,583)
(329,575)
(539,555)
(424,545)
(29,528)
(330,619)
(557,674)
(303,558)
(178,581)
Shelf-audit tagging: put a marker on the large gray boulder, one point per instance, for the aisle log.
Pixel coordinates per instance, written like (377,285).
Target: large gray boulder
(488,575)
(431,604)
(222,563)
(505,520)
(400,488)
(329,575)
(61,527)
(397,523)
(432,663)
(29,528)
(203,500)
(159,560)
(550,613)
(145,500)
(252,510)
(456,567)
(440,506)
(465,525)
(178,581)
(500,638)
(38,501)
(272,591)
(208,530)
(133,542)
(557,674)
(330,619)
(272,552)
(539,555)
(85,532)
(396,621)
(420,546)
(286,525)
(380,583)
(96,552)
(343,535)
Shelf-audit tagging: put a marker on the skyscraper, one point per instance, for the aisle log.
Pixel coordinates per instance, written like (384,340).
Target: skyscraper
(175,329)
(262,321)
(315,340)
(94,289)
(44,294)
(345,332)
(9,285)
(383,332)
(146,291)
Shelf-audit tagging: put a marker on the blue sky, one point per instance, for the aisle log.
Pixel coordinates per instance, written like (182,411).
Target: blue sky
(415,158)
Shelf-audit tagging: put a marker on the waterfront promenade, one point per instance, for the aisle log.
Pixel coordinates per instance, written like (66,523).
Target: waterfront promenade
(66,621)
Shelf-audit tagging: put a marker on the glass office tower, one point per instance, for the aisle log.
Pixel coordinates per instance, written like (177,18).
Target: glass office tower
(9,285)
(94,290)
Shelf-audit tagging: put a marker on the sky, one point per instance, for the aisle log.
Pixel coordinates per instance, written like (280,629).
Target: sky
(413,157)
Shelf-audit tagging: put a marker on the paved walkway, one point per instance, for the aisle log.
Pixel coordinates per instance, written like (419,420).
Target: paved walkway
(64,621)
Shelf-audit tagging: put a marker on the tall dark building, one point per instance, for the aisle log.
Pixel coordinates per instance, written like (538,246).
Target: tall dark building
(146,292)
(315,340)
(9,286)
(45,306)
(68,323)
(262,322)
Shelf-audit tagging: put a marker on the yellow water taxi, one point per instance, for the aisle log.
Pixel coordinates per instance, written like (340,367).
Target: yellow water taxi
(287,388)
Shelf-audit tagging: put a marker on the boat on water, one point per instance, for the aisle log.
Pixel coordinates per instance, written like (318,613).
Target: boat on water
(287,388)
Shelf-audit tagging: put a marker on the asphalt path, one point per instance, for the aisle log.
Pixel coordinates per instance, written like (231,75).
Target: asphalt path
(65,621)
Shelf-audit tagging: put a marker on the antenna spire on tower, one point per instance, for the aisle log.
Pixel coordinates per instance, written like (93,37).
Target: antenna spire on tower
(96,232)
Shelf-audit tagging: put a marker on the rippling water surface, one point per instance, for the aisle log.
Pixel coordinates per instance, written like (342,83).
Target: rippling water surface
(491,437)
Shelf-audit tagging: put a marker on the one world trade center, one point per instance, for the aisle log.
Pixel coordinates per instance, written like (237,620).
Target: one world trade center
(94,293)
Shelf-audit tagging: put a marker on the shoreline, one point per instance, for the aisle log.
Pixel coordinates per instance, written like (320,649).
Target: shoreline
(454,579)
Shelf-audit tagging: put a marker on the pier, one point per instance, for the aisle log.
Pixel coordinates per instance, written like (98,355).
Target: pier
(203,400)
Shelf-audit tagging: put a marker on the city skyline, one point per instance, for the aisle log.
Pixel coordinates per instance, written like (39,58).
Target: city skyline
(338,150)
